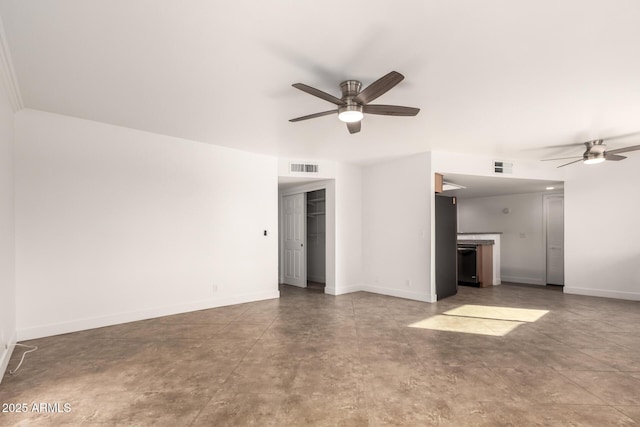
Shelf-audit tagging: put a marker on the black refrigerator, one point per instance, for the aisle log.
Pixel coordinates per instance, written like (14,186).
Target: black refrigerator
(446,246)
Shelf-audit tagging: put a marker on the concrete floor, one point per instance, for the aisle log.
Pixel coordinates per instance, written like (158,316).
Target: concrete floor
(359,359)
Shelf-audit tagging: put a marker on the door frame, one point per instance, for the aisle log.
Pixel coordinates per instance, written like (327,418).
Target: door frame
(545,215)
(330,230)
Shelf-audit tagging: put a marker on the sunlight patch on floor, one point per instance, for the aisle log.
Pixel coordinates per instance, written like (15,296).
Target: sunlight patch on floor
(499,313)
(480,319)
(467,325)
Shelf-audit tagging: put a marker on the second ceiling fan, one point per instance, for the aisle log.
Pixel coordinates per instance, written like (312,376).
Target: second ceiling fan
(355,103)
(596,151)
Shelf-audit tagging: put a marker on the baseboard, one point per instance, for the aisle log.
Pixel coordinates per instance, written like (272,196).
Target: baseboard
(382,291)
(400,293)
(345,290)
(522,279)
(633,296)
(330,290)
(318,279)
(115,319)
(5,355)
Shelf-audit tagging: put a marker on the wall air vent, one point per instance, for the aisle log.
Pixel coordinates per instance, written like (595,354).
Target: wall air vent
(303,167)
(501,167)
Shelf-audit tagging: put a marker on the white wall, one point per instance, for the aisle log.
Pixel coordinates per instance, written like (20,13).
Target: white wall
(396,206)
(602,207)
(7,271)
(114,225)
(523,236)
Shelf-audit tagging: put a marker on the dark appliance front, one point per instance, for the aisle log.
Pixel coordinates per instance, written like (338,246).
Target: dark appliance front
(467,265)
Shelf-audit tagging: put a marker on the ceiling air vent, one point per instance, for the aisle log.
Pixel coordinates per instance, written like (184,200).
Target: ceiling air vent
(303,167)
(502,167)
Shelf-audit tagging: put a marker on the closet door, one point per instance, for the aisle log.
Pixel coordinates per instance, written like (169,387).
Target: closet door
(294,236)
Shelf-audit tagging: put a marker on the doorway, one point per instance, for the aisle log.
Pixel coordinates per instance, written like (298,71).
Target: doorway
(316,239)
(303,238)
(528,216)
(554,221)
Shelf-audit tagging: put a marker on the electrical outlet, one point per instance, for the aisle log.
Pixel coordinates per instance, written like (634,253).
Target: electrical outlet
(408,283)
(214,288)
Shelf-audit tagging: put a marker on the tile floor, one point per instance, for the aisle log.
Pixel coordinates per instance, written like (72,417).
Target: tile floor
(507,355)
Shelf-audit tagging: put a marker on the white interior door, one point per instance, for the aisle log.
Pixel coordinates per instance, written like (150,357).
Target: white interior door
(555,240)
(294,236)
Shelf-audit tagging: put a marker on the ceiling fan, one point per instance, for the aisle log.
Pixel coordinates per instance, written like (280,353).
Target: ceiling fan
(354,102)
(596,152)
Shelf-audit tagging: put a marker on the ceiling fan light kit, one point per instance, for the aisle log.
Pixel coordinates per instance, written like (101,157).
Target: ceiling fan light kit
(350,113)
(355,103)
(593,159)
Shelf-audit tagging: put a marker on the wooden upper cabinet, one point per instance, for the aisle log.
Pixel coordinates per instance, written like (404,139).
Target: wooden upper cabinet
(439,179)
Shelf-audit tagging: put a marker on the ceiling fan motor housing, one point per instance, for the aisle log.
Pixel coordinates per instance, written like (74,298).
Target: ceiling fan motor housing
(595,152)
(351,111)
(350,88)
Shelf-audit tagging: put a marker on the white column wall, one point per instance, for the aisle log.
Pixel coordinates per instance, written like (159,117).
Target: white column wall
(348,225)
(396,230)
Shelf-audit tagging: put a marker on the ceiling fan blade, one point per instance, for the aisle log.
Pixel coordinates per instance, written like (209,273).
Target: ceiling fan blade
(626,135)
(624,150)
(379,87)
(570,163)
(313,116)
(614,157)
(354,127)
(560,158)
(317,92)
(390,110)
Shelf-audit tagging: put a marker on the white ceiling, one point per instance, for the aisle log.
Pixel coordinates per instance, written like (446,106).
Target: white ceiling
(495,77)
(285,182)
